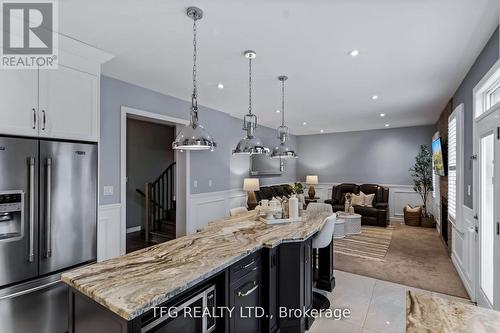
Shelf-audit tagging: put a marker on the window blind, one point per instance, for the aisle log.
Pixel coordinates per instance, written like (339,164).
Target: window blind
(452,168)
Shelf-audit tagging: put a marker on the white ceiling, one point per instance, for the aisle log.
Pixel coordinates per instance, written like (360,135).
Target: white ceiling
(413,54)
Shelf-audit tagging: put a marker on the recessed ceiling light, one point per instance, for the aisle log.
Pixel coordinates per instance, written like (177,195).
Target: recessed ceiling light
(375,97)
(382,114)
(321,131)
(304,123)
(278,111)
(354,53)
(220,86)
(386,125)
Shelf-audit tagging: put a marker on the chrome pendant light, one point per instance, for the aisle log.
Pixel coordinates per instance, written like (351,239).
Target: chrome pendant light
(194,136)
(283,150)
(250,144)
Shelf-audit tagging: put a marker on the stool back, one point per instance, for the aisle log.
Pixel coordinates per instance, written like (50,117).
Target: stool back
(325,236)
(319,207)
(237,210)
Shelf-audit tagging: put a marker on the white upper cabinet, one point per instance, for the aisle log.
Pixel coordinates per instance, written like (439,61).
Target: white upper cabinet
(69,104)
(19,102)
(60,103)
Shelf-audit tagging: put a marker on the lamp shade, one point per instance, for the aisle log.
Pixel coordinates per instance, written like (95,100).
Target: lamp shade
(251,184)
(312,180)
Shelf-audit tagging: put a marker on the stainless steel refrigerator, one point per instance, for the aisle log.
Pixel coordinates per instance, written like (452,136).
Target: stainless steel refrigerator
(48,221)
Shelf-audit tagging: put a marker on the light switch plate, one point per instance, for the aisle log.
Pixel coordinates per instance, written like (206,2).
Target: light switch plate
(108,190)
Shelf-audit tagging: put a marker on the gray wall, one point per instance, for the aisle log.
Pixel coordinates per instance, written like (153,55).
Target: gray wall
(225,171)
(481,66)
(377,156)
(149,153)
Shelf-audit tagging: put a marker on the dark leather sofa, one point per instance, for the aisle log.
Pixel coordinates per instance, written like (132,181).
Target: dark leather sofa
(268,192)
(376,215)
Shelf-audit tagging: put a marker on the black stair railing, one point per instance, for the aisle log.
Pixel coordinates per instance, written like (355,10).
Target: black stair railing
(159,199)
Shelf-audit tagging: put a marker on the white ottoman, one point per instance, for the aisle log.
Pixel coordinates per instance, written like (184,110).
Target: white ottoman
(338,231)
(352,223)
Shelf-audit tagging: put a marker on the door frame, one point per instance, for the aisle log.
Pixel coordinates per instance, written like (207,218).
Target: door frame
(182,158)
(482,87)
(479,295)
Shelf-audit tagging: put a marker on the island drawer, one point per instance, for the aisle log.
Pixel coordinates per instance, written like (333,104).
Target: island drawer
(247,265)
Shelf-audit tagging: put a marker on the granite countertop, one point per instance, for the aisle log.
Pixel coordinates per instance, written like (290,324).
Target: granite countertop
(429,313)
(131,284)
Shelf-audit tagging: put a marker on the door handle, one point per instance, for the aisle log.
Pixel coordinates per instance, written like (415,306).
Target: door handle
(34,118)
(31,290)
(48,201)
(498,228)
(248,292)
(31,253)
(44,120)
(248,265)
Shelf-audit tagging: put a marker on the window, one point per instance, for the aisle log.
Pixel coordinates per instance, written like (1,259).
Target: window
(452,168)
(455,167)
(434,181)
(492,96)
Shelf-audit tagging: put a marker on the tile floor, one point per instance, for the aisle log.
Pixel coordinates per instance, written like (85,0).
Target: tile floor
(376,306)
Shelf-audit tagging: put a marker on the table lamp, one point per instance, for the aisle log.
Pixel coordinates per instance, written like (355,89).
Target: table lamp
(311,181)
(251,185)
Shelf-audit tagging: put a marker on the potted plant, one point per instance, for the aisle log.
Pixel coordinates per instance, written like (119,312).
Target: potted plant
(298,188)
(421,174)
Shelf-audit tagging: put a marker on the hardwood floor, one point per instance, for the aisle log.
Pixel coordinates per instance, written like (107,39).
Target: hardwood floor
(135,241)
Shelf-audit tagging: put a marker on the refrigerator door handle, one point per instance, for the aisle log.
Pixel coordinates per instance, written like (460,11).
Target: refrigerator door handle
(29,291)
(31,253)
(48,203)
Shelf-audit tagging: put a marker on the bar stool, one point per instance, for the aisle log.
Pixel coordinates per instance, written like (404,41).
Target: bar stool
(321,240)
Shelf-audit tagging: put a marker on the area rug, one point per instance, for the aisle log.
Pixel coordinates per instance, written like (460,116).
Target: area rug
(416,257)
(372,243)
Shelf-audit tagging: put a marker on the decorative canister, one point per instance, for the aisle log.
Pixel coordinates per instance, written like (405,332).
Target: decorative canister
(293,207)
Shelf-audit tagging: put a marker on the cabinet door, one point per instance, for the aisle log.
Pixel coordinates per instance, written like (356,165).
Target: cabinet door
(19,102)
(69,104)
(246,296)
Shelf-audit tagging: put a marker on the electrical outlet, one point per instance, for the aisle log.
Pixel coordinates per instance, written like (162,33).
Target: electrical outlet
(195,183)
(108,190)
(210,183)
(468,190)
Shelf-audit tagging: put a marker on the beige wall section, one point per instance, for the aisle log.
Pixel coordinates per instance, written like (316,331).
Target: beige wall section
(149,153)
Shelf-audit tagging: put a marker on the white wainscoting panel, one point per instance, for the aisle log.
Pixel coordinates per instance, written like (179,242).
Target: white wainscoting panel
(206,207)
(463,252)
(399,197)
(109,232)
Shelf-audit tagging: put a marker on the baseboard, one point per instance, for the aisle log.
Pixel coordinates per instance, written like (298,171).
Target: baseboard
(465,281)
(134,229)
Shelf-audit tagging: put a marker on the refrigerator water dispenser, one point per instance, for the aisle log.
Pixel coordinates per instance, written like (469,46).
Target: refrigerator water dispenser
(11,215)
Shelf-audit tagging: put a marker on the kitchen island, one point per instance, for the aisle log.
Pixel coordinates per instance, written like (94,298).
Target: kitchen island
(241,258)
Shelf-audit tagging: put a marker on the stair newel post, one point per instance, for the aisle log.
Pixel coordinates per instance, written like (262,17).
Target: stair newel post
(147,210)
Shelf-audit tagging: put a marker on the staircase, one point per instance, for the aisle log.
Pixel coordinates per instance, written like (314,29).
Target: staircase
(159,203)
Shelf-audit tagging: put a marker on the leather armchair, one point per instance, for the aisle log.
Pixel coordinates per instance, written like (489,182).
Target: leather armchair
(377,215)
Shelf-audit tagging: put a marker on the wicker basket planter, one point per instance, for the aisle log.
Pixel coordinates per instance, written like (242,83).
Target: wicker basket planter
(412,216)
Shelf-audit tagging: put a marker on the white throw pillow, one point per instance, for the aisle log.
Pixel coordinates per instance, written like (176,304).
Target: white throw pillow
(358,199)
(369,199)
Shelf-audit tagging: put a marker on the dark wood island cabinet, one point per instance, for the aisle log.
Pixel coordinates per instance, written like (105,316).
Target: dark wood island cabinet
(245,288)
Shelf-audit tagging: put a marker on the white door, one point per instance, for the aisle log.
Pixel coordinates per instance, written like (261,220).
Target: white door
(487,173)
(19,102)
(69,104)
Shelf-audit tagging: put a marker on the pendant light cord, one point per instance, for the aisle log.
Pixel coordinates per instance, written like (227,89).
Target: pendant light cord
(194,97)
(283,103)
(250,85)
